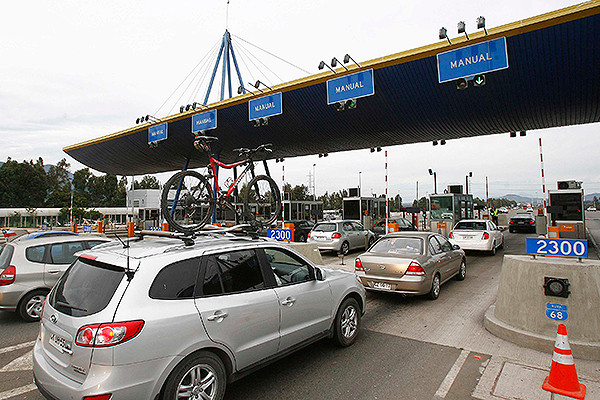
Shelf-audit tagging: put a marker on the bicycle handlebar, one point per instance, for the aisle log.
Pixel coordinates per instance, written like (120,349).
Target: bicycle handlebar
(245,151)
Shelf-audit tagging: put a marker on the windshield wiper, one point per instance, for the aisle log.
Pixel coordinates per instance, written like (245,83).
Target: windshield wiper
(60,303)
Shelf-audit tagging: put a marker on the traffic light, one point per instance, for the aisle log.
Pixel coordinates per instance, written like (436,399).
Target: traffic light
(462,84)
(479,80)
(347,104)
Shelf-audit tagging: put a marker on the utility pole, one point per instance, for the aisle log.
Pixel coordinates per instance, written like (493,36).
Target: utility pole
(487,196)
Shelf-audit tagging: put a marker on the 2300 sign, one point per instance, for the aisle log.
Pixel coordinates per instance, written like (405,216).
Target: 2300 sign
(557,247)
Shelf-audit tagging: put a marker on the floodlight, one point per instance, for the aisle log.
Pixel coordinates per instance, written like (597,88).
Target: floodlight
(378,149)
(481,24)
(347,59)
(187,108)
(181,109)
(254,86)
(513,134)
(523,133)
(442,142)
(137,121)
(435,142)
(470,174)
(335,61)
(323,64)
(372,150)
(430,171)
(462,28)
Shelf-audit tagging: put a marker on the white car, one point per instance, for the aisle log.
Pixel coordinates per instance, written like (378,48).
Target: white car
(477,234)
(591,209)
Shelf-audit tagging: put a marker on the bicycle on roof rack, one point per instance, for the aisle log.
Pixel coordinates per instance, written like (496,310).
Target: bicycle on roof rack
(188,200)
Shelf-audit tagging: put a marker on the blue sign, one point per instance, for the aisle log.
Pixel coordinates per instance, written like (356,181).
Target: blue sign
(472,60)
(351,86)
(157,132)
(155,228)
(557,247)
(557,312)
(265,106)
(279,234)
(87,229)
(204,121)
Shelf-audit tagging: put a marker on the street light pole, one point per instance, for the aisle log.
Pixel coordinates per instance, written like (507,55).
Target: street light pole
(359,184)
(432,172)
(314,183)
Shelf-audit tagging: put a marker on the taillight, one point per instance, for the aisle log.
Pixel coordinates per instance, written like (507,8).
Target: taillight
(336,235)
(107,396)
(414,268)
(486,236)
(8,275)
(308,235)
(511,222)
(104,335)
(88,257)
(358,265)
(531,222)
(451,235)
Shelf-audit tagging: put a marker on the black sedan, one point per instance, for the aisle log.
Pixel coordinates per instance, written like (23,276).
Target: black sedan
(403,225)
(524,222)
(301,229)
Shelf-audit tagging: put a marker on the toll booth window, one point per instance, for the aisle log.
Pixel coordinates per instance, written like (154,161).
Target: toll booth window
(441,207)
(571,205)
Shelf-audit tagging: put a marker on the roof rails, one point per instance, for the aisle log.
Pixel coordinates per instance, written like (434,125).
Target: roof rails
(50,233)
(209,230)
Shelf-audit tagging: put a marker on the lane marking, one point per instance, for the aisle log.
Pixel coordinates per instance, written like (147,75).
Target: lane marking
(23,363)
(15,392)
(451,376)
(16,347)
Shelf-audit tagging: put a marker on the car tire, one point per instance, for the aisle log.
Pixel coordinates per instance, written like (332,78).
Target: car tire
(493,250)
(462,271)
(345,248)
(30,306)
(371,241)
(207,365)
(434,292)
(347,323)
(511,230)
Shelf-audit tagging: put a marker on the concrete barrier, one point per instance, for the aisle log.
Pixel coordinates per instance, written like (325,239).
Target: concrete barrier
(519,314)
(308,250)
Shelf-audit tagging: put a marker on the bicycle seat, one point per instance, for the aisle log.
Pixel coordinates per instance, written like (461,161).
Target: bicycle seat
(207,138)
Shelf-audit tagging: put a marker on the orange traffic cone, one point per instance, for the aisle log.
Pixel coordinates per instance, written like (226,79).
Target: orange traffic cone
(563,376)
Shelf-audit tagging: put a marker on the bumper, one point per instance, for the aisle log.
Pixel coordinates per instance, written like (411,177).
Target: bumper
(132,381)
(10,296)
(411,284)
(521,228)
(331,245)
(479,245)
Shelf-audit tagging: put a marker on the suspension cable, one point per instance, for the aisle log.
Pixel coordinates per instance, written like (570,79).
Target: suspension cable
(279,58)
(262,63)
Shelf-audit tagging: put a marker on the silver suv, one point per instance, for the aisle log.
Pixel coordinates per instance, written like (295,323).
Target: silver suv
(31,264)
(341,236)
(172,320)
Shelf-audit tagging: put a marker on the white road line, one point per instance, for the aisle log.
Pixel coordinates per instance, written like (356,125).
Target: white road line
(16,347)
(15,392)
(450,377)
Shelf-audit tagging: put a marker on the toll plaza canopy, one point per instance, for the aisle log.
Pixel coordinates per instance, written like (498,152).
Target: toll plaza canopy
(552,79)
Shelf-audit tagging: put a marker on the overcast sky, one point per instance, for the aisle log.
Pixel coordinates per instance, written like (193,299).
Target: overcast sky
(75,70)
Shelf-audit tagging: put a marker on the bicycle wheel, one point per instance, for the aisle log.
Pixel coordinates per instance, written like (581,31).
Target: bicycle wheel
(262,200)
(194,205)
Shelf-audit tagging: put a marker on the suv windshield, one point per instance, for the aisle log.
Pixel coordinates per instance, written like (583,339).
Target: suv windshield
(398,245)
(325,227)
(472,225)
(86,288)
(6,252)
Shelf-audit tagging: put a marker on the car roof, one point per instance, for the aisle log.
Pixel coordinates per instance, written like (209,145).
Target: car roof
(472,220)
(418,234)
(36,238)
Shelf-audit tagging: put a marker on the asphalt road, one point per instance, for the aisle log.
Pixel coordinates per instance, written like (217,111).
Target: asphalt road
(388,361)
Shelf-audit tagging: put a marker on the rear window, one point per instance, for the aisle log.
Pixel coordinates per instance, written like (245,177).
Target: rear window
(35,254)
(6,252)
(522,216)
(86,288)
(471,225)
(325,227)
(398,245)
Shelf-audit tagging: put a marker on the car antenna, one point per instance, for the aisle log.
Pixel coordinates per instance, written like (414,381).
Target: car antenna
(128,271)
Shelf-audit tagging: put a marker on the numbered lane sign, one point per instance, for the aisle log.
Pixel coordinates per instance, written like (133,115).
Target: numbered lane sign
(279,234)
(557,312)
(557,247)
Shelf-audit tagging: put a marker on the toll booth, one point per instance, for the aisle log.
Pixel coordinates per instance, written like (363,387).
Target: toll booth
(567,213)
(364,209)
(447,209)
(302,209)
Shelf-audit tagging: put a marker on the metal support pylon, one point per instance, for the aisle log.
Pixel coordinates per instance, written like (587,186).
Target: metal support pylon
(227,54)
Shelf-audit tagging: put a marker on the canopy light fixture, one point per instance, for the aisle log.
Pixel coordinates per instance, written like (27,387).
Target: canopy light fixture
(279,160)
(322,65)
(335,61)
(442,142)
(435,143)
(462,28)
(523,133)
(481,24)
(444,34)
(513,134)
(146,118)
(258,83)
(255,87)
(375,149)
(347,104)
(242,89)
(347,59)
(323,155)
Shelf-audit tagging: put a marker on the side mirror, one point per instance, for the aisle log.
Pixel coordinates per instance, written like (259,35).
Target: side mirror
(319,274)
(455,247)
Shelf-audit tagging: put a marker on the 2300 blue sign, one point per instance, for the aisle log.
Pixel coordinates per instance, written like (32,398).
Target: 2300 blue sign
(557,247)
(279,234)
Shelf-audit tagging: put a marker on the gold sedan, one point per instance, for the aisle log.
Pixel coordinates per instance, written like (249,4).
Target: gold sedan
(412,263)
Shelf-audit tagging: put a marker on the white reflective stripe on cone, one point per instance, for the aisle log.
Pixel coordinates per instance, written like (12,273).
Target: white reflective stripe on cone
(564,359)
(562,342)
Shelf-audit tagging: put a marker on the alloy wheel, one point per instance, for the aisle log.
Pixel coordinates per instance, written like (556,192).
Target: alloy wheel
(349,322)
(200,382)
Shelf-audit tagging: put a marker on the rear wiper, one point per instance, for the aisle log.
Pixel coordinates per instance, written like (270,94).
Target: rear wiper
(60,303)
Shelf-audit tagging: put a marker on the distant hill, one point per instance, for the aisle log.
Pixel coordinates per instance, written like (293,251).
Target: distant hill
(521,199)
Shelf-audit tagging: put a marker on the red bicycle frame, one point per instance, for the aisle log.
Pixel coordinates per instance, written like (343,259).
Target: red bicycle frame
(214,162)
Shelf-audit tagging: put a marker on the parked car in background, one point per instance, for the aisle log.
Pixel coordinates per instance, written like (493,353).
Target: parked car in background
(591,209)
(341,236)
(301,229)
(413,263)
(503,210)
(523,222)
(167,319)
(403,225)
(477,234)
(31,264)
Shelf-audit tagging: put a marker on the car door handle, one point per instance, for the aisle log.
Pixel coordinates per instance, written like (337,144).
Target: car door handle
(217,316)
(288,302)
(53,271)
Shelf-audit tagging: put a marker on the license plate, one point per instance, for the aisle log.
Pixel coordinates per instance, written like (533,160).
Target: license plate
(382,285)
(320,238)
(59,343)
(468,237)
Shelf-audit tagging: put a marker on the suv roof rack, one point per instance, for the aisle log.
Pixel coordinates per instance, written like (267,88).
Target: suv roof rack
(209,230)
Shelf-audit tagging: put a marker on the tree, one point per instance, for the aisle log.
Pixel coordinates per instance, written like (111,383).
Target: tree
(59,184)
(298,192)
(23,184)
(423,203)
(148,182)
